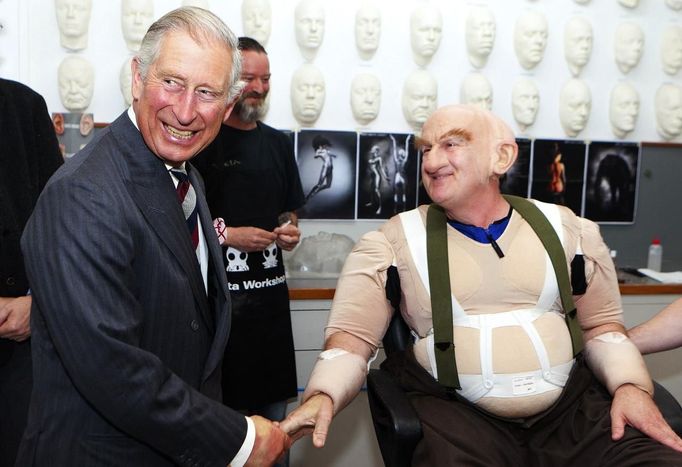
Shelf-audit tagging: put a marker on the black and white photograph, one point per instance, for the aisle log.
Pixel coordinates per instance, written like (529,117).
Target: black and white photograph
(558,174)
(516,180)
(327,164)
(611,183)
(387,175)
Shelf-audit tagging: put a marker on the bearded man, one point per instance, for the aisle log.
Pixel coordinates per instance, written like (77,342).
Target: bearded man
(253,189)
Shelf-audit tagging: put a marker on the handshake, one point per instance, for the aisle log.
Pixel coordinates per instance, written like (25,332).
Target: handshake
(273,439)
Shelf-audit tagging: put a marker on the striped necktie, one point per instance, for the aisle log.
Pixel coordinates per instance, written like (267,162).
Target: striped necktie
(187,197)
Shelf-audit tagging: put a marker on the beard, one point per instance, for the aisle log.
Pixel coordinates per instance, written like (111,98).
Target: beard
(251,113)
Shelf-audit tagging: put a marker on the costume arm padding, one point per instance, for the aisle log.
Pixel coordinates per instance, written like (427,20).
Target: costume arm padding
(338,374)
(615,361)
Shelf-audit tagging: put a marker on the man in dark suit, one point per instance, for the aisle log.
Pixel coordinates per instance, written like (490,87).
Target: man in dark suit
(129,320)
(29,154)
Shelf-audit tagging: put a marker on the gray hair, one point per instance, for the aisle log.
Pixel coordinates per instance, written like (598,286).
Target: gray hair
(199,24)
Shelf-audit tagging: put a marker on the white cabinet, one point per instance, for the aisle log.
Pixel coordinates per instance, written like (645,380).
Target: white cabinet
(351,440)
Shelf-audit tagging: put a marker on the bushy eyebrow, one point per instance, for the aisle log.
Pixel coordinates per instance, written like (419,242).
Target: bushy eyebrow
(466,135)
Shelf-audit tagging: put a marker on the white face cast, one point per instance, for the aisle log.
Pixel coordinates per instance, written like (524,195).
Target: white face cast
(623,109)
(629,44)
(73,19)
(426,28)
(530,39)
(76,78)
(125,81)
(200,3)
(365,98)
(476,90)
(575,104)
(367,30)
(480,35)
(525,102)
(136,17)
(668,105)
(674,4)
(671,49)
(310,21)
(257,19)
(420,97)
(307,94)
(577,44)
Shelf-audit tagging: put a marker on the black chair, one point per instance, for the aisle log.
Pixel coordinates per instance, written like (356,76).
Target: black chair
(396,424)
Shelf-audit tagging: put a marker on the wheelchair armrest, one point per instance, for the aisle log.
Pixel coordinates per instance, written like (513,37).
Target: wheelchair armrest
(396,424)
(669,407)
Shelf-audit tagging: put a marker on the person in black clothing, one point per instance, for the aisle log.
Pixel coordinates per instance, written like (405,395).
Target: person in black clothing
(253,186)
(29,154)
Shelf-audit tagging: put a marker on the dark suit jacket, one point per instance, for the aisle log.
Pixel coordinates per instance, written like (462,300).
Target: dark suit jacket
(29,154)
(127,346)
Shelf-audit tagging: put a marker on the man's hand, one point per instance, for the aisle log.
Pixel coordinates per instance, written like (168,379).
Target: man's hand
(314,416)
(249,238)
(288,236)
(271,443)
(15,317)
(634,407)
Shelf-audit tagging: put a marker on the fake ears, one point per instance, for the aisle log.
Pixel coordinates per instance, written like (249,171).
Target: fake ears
(504,157)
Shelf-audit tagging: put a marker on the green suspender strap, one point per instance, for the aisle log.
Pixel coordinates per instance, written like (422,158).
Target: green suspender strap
(550,240)
(441,300)
(440,291)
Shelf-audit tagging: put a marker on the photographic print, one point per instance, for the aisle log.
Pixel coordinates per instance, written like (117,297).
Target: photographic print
(558,174)
(515,181)
(387,175)
(611,184)
(327,163)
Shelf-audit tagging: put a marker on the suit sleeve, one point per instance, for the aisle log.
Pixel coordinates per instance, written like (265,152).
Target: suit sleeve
(82,249)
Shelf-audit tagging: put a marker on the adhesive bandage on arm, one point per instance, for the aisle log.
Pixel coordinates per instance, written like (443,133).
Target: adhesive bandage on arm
(338,374)
(615,361)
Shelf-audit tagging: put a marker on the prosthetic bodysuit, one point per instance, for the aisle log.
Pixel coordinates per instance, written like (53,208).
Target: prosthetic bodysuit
(513,348)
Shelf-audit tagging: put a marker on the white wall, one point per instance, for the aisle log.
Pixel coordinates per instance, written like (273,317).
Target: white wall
(31,53)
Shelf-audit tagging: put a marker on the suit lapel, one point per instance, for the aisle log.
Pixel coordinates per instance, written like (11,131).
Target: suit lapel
(152,191)
(216,278)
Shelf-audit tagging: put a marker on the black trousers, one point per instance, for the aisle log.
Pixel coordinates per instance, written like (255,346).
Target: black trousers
(576,431)
(15,394)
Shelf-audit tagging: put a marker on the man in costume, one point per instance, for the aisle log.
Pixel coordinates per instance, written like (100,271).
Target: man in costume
(521,388)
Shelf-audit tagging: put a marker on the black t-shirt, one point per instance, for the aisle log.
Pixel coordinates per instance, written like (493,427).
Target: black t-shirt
(251,176)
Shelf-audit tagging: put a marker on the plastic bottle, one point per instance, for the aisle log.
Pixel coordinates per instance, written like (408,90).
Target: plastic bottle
(655,255)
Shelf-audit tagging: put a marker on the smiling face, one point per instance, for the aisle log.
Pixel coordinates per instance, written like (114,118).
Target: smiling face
(459,146)
(182,101)
(252,104)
